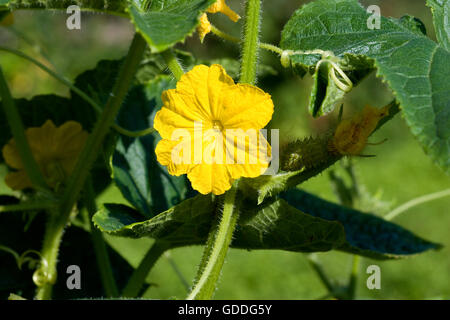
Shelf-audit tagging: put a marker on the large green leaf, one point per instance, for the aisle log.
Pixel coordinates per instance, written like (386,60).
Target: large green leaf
(163,23)
(141,179)
(366,234)
(274,225)
(441,20)
(414,67)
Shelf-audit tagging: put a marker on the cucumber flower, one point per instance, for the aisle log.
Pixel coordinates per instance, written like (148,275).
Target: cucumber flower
(219,6)
(210,129)
(55,150)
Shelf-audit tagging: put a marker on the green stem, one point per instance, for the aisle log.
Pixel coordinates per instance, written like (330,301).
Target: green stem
(224,35)
(101,251)
(321,273)
(250,45)
(18,132)
(271,47)
(216,250)
(177,271)
(95,140)
(45,276)
(32,205)
(262,45)
(172,63)
(78,91)
(139,275)
(414,202)
(351,288)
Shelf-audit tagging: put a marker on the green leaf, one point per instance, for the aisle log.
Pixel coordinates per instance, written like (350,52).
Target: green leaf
(366,234)
(141,179)
(187,223)
(441,20)
(164,23)
(325,95)
(275,225)
(414,66)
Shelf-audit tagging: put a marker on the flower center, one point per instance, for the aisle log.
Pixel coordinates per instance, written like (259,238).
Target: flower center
(217,125)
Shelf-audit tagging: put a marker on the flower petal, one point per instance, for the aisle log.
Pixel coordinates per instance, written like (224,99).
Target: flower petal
(167,120)
(41,140)
(204,88)
(164,156)
(204,27)
(246,106)
(11,155)
(221,6)
(257,158)
(70,139)
(206,178)
(18,180)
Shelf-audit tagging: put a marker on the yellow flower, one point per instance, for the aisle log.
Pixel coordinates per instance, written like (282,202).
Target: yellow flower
(220,121)
(55,150)
(219,6)
(204,27)
(351,135)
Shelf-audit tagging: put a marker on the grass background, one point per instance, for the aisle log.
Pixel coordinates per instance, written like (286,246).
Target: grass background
(400,171)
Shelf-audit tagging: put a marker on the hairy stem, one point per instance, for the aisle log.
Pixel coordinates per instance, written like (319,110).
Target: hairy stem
(251,40)
(216,250)
(18,131)
(58,220)
(139,275)
(100,248)
(172,63)
(45,276)
(101,129)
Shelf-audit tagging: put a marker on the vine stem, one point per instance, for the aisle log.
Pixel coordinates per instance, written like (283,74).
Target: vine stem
(139,275)
(45,276)
(173,64)
(262,45)
(101,129)
(31,205)
(101,251)
(18,131)
(414,202)
(251,40)
(78,91)
(77,179)
(216,250)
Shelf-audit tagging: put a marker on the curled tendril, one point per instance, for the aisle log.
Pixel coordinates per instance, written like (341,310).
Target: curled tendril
(41,275)
(346,85)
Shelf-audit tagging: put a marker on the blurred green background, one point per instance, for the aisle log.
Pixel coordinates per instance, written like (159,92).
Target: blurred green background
(399,172)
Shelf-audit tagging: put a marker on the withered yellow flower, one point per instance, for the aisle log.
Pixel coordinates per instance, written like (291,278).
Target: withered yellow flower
(204,27)
(351,135)
(55,150)
(219,6)
(210,129)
